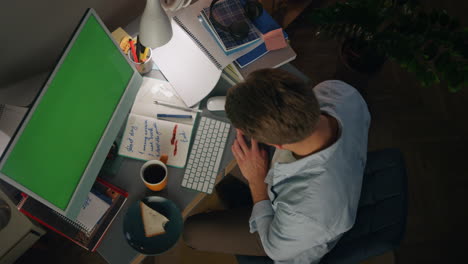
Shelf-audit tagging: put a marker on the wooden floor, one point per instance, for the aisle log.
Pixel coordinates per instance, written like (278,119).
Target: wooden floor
(429,125)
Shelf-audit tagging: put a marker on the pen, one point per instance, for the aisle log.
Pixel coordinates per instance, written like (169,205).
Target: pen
(173,116)
(138,47)
(178,107)
(132,47)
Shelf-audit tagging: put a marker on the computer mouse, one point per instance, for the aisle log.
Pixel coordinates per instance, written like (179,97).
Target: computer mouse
(216,103)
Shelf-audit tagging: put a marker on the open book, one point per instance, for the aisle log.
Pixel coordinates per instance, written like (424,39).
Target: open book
(146,137)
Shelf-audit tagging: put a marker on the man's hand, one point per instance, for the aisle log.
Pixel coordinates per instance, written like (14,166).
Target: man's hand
(253,163)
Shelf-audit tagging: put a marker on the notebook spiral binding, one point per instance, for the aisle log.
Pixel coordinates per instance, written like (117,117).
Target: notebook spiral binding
(76,224)
(199,44)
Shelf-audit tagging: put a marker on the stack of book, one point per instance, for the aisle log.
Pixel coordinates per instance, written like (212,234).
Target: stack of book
(98,211)
(265,23)
(258,58)
(227,13)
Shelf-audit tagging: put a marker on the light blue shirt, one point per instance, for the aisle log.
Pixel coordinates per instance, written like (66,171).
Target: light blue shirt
(314,200)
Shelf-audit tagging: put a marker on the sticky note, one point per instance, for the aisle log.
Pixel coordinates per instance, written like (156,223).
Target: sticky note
(274,39)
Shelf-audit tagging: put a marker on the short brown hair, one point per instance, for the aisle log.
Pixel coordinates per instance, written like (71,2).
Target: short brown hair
(273,106)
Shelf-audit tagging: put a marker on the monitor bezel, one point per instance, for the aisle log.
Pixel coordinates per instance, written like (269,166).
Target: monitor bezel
(97,159)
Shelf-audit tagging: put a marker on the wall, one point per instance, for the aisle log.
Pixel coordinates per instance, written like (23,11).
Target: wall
(34,32)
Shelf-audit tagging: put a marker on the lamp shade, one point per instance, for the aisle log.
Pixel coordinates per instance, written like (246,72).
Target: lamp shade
(155,27)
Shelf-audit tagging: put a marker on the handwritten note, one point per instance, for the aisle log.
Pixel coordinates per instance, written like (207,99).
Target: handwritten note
(91,211)
(148,138)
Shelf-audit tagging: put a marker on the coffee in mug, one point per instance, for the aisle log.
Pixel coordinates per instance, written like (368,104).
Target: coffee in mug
(154,174)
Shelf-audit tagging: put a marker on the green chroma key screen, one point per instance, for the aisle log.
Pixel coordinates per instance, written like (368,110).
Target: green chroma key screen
(53,150)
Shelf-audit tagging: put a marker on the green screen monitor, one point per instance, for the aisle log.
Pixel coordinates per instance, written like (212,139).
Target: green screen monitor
(61,145)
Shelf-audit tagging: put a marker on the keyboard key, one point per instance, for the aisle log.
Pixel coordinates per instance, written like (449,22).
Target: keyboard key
(218,159)
(205,186)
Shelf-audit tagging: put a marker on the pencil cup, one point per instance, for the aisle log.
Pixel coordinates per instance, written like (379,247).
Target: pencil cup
(154,174)
(142,67)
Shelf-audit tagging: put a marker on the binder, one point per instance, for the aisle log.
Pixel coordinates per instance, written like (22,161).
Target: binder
(73,230)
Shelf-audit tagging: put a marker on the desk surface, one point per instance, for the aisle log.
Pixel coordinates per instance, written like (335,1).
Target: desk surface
(114,247)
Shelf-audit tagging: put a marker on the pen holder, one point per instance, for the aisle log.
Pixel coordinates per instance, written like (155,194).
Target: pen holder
(142,67)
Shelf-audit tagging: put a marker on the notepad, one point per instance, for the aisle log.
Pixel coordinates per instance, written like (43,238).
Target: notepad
(92,211)
(146,137)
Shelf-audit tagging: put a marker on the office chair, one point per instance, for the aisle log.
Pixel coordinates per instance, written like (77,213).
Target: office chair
(381,218)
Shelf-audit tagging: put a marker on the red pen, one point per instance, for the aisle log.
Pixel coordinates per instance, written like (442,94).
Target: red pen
(132,47)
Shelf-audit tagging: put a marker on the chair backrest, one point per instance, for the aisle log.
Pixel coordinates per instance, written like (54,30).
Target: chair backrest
(381,218)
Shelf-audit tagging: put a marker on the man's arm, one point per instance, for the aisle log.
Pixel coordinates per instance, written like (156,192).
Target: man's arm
(284,234)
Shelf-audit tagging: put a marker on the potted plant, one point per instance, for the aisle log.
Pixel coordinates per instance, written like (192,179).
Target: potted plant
(432,45)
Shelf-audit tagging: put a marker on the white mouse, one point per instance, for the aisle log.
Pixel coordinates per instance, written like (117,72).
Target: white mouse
(216,103)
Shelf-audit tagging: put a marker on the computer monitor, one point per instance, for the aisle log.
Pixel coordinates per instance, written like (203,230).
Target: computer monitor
(61,145)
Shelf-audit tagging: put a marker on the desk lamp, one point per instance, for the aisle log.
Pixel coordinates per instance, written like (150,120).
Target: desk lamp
(155,27)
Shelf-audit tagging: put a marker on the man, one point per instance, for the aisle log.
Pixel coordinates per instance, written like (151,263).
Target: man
(308,199)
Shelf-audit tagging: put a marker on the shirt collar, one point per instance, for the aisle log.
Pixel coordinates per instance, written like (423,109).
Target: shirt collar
(313,163)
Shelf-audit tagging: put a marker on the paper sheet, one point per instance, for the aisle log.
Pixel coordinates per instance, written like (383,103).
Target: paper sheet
(186,67)
(192,74)
(146,137)
(274,39)
(93,209)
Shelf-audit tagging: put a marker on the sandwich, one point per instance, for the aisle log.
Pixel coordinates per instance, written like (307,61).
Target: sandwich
(153,222)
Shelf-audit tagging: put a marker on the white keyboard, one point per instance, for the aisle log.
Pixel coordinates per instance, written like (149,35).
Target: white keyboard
(205,157)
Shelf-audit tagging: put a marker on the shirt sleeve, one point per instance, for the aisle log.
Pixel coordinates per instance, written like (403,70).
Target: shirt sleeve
(286,234)
(343,99)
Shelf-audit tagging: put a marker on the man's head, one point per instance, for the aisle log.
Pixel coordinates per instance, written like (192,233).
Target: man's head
(273,106)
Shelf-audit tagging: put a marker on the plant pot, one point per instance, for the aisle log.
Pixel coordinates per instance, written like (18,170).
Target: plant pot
(361,58)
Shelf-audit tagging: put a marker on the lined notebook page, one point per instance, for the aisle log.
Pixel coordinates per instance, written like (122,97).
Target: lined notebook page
(91,212)
(148,138)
